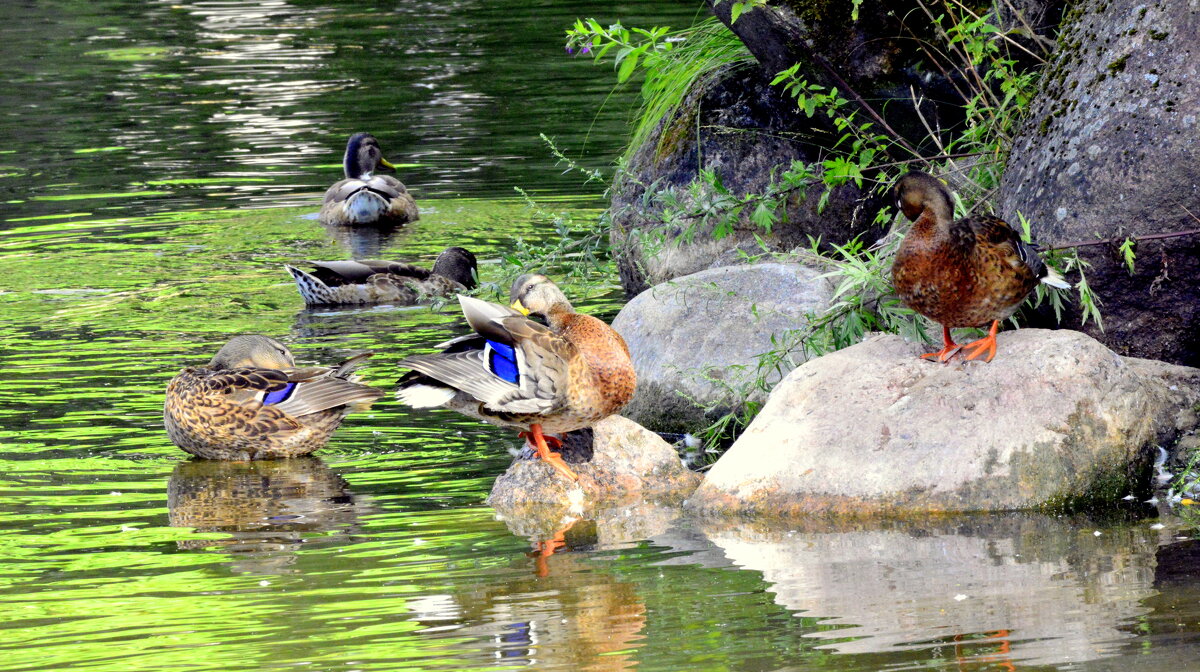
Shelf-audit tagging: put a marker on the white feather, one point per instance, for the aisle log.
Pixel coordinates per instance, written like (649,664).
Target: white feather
(424,396)
(1054,279)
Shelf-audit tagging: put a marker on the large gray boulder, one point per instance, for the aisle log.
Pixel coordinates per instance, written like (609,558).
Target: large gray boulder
(1055,421)
(694,338)
(1110,151)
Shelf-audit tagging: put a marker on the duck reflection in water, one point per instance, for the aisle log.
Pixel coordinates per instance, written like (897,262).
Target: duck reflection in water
(267,507)
(579,617)
(364,242)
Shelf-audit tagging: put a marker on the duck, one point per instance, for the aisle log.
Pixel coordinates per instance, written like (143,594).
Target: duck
(516,372)
(251,402)
(961,273)
(370,282)
(363,198)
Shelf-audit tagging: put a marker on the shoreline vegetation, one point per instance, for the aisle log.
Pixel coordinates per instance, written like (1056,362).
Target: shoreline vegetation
(858,127)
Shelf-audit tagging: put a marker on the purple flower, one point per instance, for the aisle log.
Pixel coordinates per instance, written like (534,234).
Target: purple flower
(569,49)
(586,49)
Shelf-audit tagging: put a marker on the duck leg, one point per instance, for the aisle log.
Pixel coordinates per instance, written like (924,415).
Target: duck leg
(950,349)
(554,459)
(986,344)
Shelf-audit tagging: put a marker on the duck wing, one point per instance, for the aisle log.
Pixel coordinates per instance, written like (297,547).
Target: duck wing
(384,185)
(230,400)
(316,389)
(996,235)
(337,273)
(511,364)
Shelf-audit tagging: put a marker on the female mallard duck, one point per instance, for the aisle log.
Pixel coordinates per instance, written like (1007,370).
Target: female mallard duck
(251,402)
(364,198)
(515,372)
(363,282)
(961,273)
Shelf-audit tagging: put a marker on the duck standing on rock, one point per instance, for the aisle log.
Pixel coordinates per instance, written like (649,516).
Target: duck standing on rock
(371,282)
(515,372)
(363,198)
(961,273)
(251,402)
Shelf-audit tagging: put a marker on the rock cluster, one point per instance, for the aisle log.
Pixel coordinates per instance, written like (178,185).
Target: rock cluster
(1055,420)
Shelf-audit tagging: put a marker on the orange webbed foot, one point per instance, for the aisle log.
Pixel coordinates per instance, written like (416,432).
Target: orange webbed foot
(986,344)
(555,460)
(944,354)
(951,348)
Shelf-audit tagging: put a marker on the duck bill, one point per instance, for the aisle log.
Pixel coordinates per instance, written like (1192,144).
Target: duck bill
(520,307)
(386,164)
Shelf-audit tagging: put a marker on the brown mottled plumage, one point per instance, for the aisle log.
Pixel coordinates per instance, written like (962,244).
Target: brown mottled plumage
(565,375)
(363,198)
(962,273)
(371,282)
(251,402)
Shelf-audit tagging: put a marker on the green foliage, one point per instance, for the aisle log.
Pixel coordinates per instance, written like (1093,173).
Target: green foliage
(1127,253)
(739,8)
(673,61)
(578,250)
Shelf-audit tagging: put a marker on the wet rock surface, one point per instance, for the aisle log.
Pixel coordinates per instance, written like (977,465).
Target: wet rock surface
(693,337)
(1108,152)
(626,459)
(1056,420)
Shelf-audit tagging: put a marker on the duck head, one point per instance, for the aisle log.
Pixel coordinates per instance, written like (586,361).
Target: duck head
(459,265)
(917,192)
(363,156)
(536,295)
(252,351)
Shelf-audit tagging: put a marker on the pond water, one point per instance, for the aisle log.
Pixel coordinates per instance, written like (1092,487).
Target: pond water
(160,161)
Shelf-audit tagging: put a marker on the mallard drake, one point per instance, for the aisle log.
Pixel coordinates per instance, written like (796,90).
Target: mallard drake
(252,402)
(961,273)
(515,372)
(368,281)
(364,198)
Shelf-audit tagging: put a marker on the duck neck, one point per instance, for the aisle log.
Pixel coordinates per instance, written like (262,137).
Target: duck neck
(558,315)
(352,167)
(933,221)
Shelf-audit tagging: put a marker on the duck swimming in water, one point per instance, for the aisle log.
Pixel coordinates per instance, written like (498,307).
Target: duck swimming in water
(961,273)
(364,198)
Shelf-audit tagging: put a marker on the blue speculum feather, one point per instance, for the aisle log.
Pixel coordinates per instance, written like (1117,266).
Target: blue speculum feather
(503,362)
(279,395)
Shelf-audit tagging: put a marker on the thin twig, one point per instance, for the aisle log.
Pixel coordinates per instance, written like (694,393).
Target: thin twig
(1136,239)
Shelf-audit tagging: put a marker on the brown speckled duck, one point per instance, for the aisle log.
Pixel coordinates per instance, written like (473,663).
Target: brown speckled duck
(252,402)
(371,282)
(962,273)
(515,372)
(363,198)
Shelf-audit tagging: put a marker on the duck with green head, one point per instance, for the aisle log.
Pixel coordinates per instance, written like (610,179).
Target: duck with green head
(364,198)
(252,402)
(552,378)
